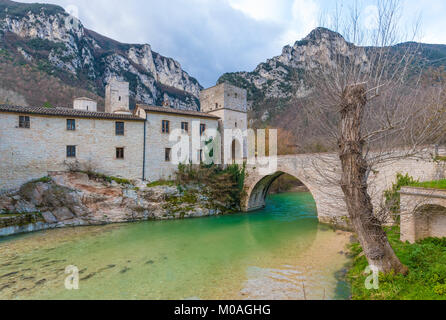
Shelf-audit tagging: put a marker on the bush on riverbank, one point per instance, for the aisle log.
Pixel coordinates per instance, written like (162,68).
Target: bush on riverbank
(426,261)
(224,186)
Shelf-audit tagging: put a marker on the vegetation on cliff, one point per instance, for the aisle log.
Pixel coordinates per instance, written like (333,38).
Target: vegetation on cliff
(224,186)
(426,280)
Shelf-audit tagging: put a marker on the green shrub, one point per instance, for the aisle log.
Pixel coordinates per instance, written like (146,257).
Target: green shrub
(47,105)
(109,179)
(222,185)
(161,183)
(393,197)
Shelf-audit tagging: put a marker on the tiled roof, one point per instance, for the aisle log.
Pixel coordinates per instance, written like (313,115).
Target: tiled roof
(84,98)
(67,112)
(178,112)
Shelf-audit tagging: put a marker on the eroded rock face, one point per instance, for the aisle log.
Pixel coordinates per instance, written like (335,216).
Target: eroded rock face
(61,40)
(283,76)
(72,199)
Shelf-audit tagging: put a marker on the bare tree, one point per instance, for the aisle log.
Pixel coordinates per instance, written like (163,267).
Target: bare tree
(373,105)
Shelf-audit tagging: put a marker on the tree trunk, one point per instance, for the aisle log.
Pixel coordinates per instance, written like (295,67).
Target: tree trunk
(372,237)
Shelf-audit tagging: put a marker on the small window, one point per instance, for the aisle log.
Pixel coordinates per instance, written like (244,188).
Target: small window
(119,98)
(165,126)
(71,151)
(200,155)
(236,96)
(167,154)
(185,126)
(216,106)
(202,129)
(119,128)
(119,153)
(236,124)
(24,122)
(71,125)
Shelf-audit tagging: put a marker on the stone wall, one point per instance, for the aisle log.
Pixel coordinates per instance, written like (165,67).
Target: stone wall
(157,167)
(116,96)
(423,213)
(28,154)
(224,96)
(85,104)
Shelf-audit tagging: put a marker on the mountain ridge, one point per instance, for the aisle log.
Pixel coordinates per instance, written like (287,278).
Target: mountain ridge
(42,38)
(282,76)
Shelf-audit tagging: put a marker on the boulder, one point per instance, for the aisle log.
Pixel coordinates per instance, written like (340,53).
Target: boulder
(49,217)
(63,214)
(23,206)
(33,192)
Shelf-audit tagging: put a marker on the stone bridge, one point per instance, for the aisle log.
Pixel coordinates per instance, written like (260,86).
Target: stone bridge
(321,175)
(423,213)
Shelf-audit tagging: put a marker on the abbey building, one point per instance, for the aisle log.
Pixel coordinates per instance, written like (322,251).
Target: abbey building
(118,142)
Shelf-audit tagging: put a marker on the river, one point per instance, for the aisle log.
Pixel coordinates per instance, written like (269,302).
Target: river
(281,252)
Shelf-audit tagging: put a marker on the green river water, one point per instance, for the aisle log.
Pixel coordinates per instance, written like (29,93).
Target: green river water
(280,252)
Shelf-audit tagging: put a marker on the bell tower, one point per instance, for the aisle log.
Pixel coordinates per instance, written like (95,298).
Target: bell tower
(230,104)
(117,97)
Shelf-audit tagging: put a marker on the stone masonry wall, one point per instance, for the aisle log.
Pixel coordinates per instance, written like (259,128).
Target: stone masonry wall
(223,96)
(423,213)
(28,154)
(156,166)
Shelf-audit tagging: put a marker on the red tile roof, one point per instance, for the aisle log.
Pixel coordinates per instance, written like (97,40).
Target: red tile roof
(178,112)
(67,112)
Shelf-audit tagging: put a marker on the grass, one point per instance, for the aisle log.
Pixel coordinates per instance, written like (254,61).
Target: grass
(109,179)
(440,184)
(44,180)
(161,183)
(426,261)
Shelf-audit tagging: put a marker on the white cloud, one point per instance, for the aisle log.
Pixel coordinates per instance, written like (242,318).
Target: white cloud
(371,17)
(304,18)
(261,10)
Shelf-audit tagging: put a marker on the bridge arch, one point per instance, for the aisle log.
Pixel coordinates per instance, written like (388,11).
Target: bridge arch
(258,190)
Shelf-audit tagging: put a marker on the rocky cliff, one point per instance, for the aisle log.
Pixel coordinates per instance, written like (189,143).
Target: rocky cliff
(41,43)
(282,77)
(78,199)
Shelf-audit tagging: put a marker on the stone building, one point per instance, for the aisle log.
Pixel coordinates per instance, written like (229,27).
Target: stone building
(117,142)
(34,141)
(117,97)
(229,103)
(85,104)
(160,124)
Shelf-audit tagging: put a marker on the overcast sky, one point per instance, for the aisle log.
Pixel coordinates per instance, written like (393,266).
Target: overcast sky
(211,37)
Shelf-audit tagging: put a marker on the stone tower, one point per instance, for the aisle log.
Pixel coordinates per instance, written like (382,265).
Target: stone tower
(230,104)
(117,97)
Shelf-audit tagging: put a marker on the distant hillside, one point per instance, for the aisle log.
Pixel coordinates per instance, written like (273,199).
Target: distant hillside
(48,56)
(276,87)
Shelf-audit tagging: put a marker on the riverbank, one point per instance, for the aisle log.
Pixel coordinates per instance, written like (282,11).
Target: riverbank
(426,261)
(71,199)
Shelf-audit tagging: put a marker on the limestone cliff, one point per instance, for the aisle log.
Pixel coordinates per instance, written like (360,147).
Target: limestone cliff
(44,38)
(77,199)
(282,77)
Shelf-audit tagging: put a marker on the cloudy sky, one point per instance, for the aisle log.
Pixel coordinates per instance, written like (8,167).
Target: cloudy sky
(211,37)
